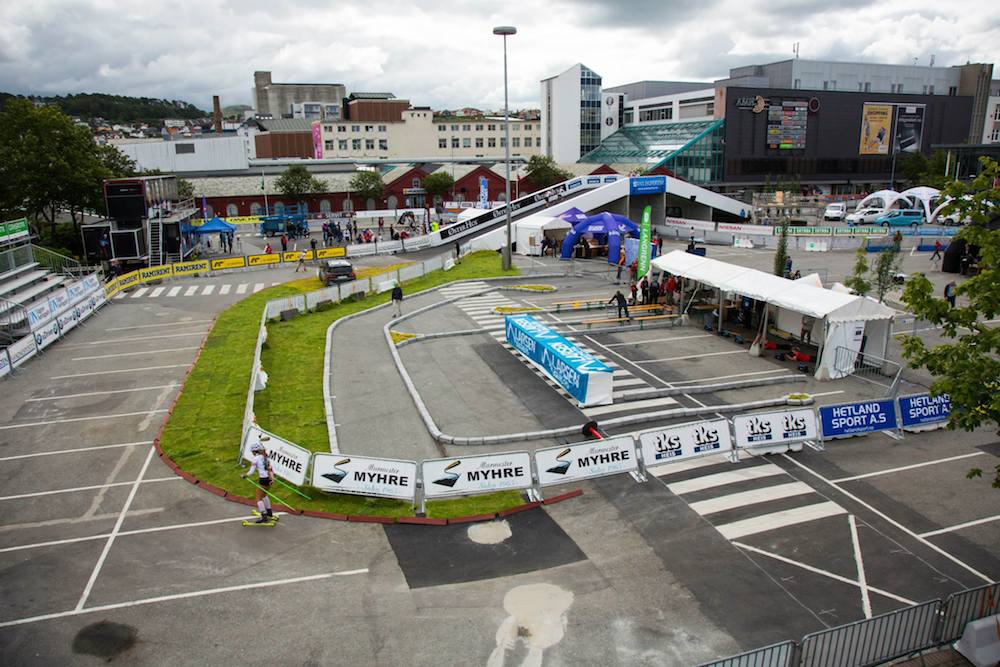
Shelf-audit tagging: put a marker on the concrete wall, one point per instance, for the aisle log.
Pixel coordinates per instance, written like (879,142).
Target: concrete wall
(209,154)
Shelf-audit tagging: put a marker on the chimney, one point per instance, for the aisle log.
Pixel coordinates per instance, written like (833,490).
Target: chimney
(216,114)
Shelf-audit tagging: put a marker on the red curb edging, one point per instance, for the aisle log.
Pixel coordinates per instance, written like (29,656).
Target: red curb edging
(222,493)
(473,518)
(188,476)
(324,515)
(520,508)
(287,510)
(365,518)
(562,497)
(240,500)
(423,521)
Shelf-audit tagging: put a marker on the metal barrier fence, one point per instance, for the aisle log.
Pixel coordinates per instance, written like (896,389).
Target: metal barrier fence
(870,368)
(971,605)
(776,655)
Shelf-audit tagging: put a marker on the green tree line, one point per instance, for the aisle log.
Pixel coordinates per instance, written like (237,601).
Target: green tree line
(114,108)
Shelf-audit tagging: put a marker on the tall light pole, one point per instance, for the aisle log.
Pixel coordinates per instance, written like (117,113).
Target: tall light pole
(505,30)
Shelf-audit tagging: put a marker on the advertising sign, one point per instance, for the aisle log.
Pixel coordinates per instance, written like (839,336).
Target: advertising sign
(46,334)
(786,125)
(228,263)
(876,126)
(857,418)
(647,185)
(327,253)
(558,465)
(91,283)
(317,137)
(484,196)
(68,319)
(476,474)
(39,315)
(644,237)
(665,445)
(736,228)
(860,231)
(77,291)
(581,374)
(387,478)
(21,351)
(288,461)
(909,132)
(684,223)
(924,409)
(14,230)
(156,273)
(260,260)
(4,364)
(86,308)
(243,220)
(59,300)
(191,268)
(128,280)
(774,428)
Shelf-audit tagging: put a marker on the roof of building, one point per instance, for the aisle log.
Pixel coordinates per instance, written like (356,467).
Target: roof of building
(285,124)
(639,90)
(371,96)
(246,186)
(648,144)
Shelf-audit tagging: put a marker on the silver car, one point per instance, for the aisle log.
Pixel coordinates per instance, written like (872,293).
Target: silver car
(865,216)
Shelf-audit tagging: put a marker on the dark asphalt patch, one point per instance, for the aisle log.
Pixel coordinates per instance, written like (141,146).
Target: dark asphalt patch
(104,639)
(436,556)
(991,448)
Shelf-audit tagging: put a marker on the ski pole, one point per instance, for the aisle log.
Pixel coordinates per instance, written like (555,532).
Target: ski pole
(292,488)
(283,502)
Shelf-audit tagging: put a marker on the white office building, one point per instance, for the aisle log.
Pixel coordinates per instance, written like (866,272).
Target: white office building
(571,113)
(991,127)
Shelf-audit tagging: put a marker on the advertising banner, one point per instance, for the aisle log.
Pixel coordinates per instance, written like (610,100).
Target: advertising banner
(288,461)
(156,273)
(476,474)
(39,314)
(86,308)
(46,334)
(58,301)
(484,197)
(909,128)
(684,223)
(924,409)
(128,280)
(774,428)
(191,268)
(860,231)
(77,291)
(684,441)
(243,220)
(14,230)
(328,253)
(4,364)
(295,255)
(857,418)
(581,374)
(260,260)
(229,263)
(647,185)
(68,319)
(92,283)
(583,460)
(21,351)
(644,238)
(317,137)
(753,230)
(876,126)
(386,478)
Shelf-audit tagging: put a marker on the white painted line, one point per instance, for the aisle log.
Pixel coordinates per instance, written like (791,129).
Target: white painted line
(722,478)
(95,487)
(139,292)
(190,291)
(895,523)
(80,419)
(690,356)
(275,284)
(120,296)
(659,340)
(74,451)
(157,292)
(902,468)
(132,354)
(760,524)
(630,382)
(115,341)
(225,289)
(621,373)
(181,596)
(208,290)
(479,310)
(242,288)
(866,603)
(687,464)
(967,524)
(175,290)
(827,393)
(629,405)
(824,573)
(114,531)
(258,287)
(124,370)
(734,500)
(102,393)
(726,377)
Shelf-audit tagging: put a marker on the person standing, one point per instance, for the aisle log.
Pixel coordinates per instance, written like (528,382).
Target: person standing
(302,263)
(654,292)
(788,267)
(268,249)
(621,265)
(937,250)
(284,243)
(635,290)
(644,287)
(261,465)
(950,292)
(619,300)
(312,246)
(897,240)
(671,289)
(458,250)
(397,301)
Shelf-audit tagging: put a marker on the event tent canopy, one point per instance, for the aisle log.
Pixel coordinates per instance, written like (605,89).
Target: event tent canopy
(213,226)
(533,228)
(609,225)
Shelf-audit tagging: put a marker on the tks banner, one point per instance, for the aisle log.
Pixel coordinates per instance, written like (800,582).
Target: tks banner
(774,428)
(685,441)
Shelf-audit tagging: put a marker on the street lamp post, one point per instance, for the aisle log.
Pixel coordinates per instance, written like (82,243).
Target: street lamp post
(504,31)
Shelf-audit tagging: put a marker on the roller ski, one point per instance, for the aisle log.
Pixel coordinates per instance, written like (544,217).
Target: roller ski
(262,520)
(270,517)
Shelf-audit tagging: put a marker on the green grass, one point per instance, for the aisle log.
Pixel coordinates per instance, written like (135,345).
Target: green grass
(204,431)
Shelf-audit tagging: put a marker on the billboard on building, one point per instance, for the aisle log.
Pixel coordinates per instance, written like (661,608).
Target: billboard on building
(909,128)
(317,137)
(876,126)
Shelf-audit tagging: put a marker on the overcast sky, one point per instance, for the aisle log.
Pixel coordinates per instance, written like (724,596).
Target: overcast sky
(442,53)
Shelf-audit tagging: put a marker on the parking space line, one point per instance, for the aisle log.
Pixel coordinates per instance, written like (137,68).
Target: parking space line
(866,603)
(122,370)
(727,377)
(967,524)
(902,468)
(80,419)
(774,520)
(115,341)
(132,354)
(74,451)
(690,356)
(168,324)
(659,340)
(744,498)
(94,487)
(101,393)
(627,405)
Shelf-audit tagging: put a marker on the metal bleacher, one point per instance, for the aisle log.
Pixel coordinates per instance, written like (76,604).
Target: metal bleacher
(30,275)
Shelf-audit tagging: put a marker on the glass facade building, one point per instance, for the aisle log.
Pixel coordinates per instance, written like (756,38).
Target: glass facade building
(590,110)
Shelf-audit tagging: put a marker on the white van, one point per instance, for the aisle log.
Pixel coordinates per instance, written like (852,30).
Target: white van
(836,211)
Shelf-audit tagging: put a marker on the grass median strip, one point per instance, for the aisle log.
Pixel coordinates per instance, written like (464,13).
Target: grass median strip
(204,431)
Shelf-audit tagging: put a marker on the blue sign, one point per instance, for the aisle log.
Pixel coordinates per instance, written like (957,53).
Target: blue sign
(574,184)
(920,409)
(593,179)
(647,185)
(610,179)
(484,196)
(856,418)
(581,374)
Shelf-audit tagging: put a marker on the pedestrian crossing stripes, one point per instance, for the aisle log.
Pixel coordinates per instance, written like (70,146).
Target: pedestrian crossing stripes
(210,289)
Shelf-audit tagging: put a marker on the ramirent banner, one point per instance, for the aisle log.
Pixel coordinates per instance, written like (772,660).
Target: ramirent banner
(476,474)
(857,418)
(558,465)
(774,428)
(288,461)
(360,475)
(665,445)
(575,370)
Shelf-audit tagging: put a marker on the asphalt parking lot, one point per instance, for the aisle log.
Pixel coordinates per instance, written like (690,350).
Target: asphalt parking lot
(104,554)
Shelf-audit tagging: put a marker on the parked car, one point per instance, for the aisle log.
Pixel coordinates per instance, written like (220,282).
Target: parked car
(335,271)
(865,216)
(835,212)
(901,218)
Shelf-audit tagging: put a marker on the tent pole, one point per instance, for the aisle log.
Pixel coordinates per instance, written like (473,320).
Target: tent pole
(819,350)
(722,296)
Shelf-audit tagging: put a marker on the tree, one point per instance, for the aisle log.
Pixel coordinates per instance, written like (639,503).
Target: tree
(913,166)
(438,183)
(368,185)
(781,252)
(857,281)
(884,270)
(296,182)
(185,188)
(542,171)
(968,368)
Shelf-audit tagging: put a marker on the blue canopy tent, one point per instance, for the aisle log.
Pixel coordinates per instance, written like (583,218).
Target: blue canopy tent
(608,228)
(213,226)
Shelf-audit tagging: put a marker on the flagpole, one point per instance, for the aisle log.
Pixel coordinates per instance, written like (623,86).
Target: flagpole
(265,191)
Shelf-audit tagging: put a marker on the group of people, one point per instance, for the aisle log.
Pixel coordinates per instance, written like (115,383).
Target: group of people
(647,291)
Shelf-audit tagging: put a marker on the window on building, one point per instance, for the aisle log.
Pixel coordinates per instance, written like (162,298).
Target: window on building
(442,128)
(381,128)
(515,142)
(826,85)
(369,128)
(479,142)
(255,208)
(369,144)
(342,144)
(996,112)
(527,142)
(527,128)
(503,142)
(466,128)
(415,182)
(355,128)
(454,128)
(348,205)
(833,85)
(654,112)
(232,211)
(466,142)
(492,127)
(797,83)
(491,142)
(341,128)
(442,143)
(279,208)
(930,89)
(861,86)
(383,144)
(454,142)
(328,145)
(868,86)
(995,136)
(953,90)
(479,127)
(925,89)
(180,149)
(391,202)
(629,116)
(370,204)
(325,206)
(355,144)
(328,128)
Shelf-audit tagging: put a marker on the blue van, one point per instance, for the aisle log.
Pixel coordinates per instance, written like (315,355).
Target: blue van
(901,218)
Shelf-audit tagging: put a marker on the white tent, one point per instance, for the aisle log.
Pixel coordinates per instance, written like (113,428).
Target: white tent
(925,195)
(883,199)
(530,230)
(811,279)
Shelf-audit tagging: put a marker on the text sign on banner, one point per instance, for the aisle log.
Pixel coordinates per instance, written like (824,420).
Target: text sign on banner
(68,318)
(190,268)
(921,409)
(287,460)
(14,230)
(855,418)
(476,474)
(647,185)
(46,334)
(39,314)
(259,260)
(575,370)
(326,253)
(58,301)
(4,363)
(774,428)
(156,273)
(228,263)
(387,478)
(557,465)
(21,351)
(684,441)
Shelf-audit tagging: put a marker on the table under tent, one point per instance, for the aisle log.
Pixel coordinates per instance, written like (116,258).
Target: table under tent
(835,319)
